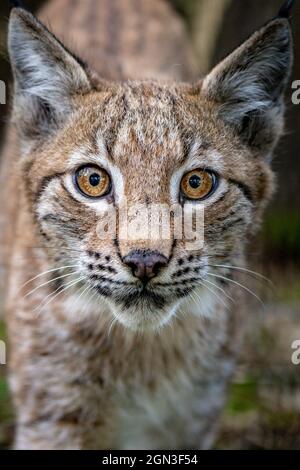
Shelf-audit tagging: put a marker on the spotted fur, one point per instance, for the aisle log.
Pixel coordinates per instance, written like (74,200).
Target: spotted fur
(105,363)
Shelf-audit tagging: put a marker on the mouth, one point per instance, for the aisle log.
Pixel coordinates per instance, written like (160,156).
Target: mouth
(131,295)
(143,297)
(141,305)
(144,307)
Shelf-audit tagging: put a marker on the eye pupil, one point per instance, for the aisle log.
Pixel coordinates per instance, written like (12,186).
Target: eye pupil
(195,181)
(94,179)
(198,184)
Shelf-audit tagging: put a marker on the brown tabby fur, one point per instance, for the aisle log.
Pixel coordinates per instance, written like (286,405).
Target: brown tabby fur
(106,368)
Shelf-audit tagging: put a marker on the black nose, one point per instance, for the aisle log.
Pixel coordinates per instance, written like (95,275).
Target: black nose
(145,264)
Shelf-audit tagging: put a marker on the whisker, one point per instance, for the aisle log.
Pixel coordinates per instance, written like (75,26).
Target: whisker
(213,292)
(245,270)
(49,282)
(55,294)
(112,324)
(82,293)
(91,298)
(220,289)
(47,272)
(196,299)
(239,285)
(87,303)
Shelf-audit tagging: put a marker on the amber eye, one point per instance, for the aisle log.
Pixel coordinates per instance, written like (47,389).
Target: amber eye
(92,181)
(198,184)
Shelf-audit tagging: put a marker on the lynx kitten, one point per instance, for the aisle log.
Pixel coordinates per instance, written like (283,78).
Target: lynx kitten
(130,343)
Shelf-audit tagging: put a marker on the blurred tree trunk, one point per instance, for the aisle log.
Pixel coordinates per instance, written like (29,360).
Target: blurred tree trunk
(207,21)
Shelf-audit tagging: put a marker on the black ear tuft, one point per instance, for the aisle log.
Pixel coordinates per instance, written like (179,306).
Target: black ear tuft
(285,10)
(16,3)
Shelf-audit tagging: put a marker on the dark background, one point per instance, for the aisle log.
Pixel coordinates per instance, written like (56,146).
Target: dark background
(263,409)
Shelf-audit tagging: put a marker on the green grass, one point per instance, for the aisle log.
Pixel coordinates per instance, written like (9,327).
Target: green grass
(243,397)
(289,293)
(2,331)
(5,405)
(281,231)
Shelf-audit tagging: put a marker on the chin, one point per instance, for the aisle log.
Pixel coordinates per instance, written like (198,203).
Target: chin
(143,317)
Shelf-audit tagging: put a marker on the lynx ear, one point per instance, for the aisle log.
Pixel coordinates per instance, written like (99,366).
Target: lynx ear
(248,86)
(46,76)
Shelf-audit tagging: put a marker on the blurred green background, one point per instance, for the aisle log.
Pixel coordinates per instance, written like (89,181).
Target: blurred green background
(263,409)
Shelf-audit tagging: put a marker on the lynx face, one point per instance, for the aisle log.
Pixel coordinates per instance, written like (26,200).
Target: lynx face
(91,145)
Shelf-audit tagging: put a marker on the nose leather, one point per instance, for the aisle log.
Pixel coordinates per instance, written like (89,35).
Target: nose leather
(145,264)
